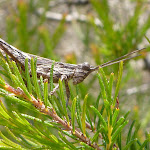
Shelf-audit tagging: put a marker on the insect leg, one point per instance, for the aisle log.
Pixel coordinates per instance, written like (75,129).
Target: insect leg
(63,77)
(67,91)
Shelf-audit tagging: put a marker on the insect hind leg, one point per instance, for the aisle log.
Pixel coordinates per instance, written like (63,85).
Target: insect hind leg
(67,92)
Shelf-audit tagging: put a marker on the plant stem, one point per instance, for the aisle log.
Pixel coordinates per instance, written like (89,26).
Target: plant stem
(109,134)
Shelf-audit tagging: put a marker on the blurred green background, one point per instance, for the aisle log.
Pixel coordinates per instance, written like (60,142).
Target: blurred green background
(110,30)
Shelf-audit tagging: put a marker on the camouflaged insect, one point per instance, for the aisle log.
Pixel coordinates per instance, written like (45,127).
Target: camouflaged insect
(63,71)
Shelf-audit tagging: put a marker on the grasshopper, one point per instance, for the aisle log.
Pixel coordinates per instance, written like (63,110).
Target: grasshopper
(62,71)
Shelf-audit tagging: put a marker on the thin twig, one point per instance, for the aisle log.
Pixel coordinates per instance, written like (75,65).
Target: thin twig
(50,112)
(68,17)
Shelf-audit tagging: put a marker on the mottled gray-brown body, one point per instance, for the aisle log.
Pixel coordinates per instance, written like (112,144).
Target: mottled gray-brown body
(63,71)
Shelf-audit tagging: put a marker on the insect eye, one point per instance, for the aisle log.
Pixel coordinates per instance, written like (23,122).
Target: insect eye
(86,66)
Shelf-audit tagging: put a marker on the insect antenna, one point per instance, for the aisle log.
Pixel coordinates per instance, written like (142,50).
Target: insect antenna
(122,58)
